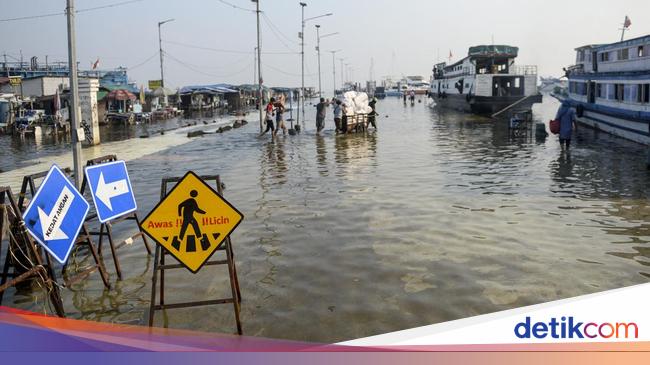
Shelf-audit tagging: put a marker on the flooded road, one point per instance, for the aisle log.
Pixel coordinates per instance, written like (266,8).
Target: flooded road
(435,217)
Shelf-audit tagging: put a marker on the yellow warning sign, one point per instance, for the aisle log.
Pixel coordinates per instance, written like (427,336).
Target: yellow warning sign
(192,221)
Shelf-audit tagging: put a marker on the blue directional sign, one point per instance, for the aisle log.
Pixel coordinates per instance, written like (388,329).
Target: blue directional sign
(55,215)
(111,190)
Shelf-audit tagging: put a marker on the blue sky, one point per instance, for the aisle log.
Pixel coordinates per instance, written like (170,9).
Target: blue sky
(401,37)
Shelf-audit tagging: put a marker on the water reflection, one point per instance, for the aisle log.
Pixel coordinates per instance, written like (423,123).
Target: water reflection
(435,217)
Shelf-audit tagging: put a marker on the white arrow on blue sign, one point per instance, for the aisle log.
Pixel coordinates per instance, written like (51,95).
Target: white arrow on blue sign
(111,190)
(56,214)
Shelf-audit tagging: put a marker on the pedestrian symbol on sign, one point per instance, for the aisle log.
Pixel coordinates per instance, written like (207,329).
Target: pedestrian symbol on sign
(192,214)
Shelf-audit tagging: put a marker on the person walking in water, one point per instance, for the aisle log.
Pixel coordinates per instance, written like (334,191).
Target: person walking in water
(269,119)
(372,117)
(320,115)
(567,117)
(338,113)
(279,118)
(187,210)
(412,96)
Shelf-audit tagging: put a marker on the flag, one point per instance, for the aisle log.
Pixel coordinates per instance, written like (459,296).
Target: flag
(627,22)
(95,64)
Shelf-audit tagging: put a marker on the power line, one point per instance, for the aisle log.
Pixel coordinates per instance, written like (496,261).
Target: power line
(282,71)
(193,68)
(143,62)
(278,36)
(223,50)
(109,6)
(235,6)
(276,29)
(63,13)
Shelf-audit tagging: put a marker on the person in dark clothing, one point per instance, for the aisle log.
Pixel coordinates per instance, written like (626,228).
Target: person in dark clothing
(320,115)
(373,115)
(187,210)
(567,117)
(344,119)
(404,96)
(269,118)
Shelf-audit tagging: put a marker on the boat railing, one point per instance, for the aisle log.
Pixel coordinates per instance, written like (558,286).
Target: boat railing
(524,70)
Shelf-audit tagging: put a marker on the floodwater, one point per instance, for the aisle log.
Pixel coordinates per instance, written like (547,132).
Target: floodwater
(435,217)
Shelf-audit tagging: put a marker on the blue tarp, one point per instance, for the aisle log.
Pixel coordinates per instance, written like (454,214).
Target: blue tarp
(209,89)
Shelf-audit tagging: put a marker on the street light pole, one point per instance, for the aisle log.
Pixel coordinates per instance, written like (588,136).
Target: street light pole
(302,53)
(302,57)
(75,116)
(162,72)
(320,94)
(334,69)
(259,66)
(342,72)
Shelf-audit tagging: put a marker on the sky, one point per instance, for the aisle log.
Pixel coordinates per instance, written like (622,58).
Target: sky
(210,41)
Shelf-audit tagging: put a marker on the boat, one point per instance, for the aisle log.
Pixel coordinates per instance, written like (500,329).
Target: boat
(416,84)
(609,87)
(485,82)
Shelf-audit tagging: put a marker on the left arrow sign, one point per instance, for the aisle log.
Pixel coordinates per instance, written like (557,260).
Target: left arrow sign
(51,223)
(105,192)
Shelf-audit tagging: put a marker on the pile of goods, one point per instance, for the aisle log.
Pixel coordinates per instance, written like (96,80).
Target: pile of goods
(356,103)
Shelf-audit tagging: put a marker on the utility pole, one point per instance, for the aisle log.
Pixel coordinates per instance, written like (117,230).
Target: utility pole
(162,72)
(342,72)
(334,69)
(259,66)
(302,57)
(6,66)
(254,65)
(302,53)
(75,116)
(320,93)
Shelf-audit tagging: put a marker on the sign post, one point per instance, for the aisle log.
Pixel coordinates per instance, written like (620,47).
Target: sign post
(112,194)
(191,223)
(55,215)
(83,237)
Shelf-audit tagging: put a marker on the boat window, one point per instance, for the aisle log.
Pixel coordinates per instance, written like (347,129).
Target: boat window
(599,91)
(619,92)
(623,54)
(604,57)
(641,51)
(611,95)
(643,95)
(518,82)
(629,93)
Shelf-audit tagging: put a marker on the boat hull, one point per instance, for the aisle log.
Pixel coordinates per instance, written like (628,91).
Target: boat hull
(485,105)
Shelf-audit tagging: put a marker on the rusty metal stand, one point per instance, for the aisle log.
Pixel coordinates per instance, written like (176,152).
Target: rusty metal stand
(33,265)
(159,265)
(105,229)
(84,238)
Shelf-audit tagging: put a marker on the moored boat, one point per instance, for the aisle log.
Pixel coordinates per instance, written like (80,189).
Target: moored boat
(609,86)
(487,82)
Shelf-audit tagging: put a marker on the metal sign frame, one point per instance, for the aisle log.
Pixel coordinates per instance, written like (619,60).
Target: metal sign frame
(56,170)
(37,270)
(84,239)
(160,266)
(106,229)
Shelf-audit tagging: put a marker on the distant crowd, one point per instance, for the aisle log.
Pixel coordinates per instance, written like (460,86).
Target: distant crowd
(275,109)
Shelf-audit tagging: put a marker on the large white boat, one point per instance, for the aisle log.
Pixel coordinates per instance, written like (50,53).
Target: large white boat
(487,81)
(609,86)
